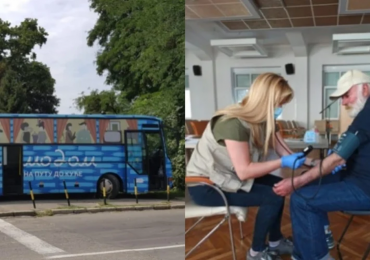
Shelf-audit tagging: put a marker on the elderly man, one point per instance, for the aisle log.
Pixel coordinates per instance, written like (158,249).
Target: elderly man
(352,192)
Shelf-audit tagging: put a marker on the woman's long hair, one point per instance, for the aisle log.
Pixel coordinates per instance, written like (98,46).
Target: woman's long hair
(268,91)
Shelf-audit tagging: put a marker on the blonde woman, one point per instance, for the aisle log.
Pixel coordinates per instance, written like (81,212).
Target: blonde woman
(232,153)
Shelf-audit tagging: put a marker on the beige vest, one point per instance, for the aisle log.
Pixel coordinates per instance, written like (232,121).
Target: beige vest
(209,159)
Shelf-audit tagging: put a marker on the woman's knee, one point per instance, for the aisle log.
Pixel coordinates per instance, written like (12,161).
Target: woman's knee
(205,196)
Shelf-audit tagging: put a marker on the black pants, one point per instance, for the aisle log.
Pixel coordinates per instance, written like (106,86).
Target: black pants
(268,220)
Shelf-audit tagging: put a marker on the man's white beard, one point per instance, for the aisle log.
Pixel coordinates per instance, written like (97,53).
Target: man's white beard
(359,105)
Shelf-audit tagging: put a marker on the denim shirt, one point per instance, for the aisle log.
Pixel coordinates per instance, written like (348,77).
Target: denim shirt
(358,165)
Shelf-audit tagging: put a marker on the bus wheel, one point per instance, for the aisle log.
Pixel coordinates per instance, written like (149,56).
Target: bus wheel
(111,186)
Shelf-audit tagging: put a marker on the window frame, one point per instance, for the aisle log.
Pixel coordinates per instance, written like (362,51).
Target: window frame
(115,123)
(248,71)
(187,92)
(337,103)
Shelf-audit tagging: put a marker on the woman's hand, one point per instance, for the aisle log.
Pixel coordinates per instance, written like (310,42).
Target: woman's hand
(291,161)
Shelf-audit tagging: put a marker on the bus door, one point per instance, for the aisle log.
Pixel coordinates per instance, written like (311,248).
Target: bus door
(145,153)
(12,169)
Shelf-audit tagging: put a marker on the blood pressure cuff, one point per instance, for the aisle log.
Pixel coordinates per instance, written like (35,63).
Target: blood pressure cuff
(348,143)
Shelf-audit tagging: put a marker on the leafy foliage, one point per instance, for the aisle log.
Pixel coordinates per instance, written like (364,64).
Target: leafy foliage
(26,86)
(142,50)
(105,101)
(179,167)
(143,46)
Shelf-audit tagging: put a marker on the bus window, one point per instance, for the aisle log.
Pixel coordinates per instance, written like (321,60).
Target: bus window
(136,151)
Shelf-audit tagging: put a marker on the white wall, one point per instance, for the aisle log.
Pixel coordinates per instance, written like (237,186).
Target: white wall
(279,57)
(202,88)
(206,96)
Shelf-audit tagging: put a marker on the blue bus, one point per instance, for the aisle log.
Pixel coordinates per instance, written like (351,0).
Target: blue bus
(85,151)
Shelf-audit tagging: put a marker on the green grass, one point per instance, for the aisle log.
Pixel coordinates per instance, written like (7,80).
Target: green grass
(45,213)
(71,207)
(101,205)
(161,194)
(49,212)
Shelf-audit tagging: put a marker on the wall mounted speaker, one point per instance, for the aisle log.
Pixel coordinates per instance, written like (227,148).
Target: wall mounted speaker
(197,70)
(289,68)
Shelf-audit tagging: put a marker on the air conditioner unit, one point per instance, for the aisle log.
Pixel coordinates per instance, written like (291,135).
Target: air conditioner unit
(240,48)
(351,43)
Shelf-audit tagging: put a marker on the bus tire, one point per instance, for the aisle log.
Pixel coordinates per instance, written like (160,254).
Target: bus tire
(111,186)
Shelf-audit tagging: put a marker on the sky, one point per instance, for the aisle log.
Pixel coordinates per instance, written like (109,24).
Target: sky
(66,53)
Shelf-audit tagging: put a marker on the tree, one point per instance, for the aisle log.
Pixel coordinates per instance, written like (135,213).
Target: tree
(26,86)
(142,50)
(105,101)
(142,47)
(161,104)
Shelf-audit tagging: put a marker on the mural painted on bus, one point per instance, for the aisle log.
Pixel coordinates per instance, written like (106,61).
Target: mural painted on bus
(33,130)
(76,131)
(112,130)
(4,130)
(47,166)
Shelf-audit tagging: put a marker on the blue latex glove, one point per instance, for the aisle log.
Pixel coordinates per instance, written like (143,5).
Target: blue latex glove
(339,167)
(291,161)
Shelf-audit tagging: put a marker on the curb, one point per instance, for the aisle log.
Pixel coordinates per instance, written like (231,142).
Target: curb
(52,212)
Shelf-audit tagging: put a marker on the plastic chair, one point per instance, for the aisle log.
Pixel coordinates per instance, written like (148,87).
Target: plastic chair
(193,210)
(353,214)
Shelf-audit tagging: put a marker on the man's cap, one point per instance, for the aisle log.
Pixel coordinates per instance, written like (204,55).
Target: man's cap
(347,81)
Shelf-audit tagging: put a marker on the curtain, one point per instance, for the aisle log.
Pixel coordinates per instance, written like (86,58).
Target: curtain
(132,124)
(17,128)
(61,125)
(91,126)
(103,125)
(49,128)
(5,122)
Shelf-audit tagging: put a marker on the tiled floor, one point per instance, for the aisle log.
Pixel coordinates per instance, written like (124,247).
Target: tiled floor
(218,245)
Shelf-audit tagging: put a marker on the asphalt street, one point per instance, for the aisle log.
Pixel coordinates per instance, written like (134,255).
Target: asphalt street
(134,235)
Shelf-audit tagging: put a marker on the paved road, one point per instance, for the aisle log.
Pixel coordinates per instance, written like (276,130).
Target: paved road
(157,235)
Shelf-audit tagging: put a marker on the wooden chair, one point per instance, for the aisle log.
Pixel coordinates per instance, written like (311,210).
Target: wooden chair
(284,129)
(193,210)
(199,126)
(297,130)
(353,214)
(188,128)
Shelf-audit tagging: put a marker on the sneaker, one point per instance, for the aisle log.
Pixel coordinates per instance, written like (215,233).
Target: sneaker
(267,254)
(285,247)
(330,240)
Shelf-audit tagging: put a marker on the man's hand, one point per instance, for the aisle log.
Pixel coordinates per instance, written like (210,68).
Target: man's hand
(284,187)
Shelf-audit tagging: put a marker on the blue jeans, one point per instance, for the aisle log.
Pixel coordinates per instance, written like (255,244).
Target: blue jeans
(309,216)
(271,206)
(330,178)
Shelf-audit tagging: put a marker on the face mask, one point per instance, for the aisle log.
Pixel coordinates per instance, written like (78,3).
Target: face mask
(277,112)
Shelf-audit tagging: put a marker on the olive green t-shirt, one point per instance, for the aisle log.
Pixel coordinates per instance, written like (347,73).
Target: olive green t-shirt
(231,129)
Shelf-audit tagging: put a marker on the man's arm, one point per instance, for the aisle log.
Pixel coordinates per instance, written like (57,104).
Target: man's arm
(284,187)
(348,143)
(328,165)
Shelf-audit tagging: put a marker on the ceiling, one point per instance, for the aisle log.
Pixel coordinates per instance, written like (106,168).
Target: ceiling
(229,25)
(251,15)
